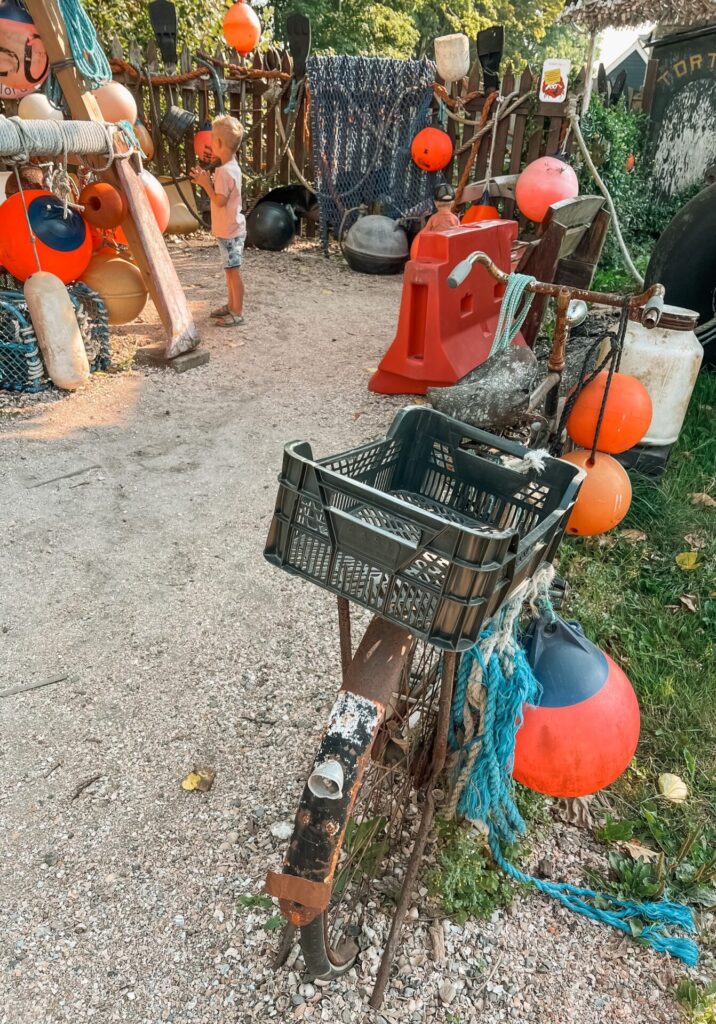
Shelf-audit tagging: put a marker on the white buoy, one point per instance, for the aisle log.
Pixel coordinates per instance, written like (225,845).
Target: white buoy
(452,56)
(37,107)
(58,333)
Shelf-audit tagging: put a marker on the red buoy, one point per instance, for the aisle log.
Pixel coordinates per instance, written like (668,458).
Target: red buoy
(202,144)
(104,205)
(545,181)
(62,238)
(582,734)
(431,149)
(626,418)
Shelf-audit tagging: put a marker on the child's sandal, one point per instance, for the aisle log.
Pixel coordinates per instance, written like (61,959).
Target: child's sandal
(221,311)
(230,320)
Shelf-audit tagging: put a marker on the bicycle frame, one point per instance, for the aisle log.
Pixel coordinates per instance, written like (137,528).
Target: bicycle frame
(645,308)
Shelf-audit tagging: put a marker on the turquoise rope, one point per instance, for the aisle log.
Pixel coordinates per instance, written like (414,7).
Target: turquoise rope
(512,315)
(89,57)
(487,797)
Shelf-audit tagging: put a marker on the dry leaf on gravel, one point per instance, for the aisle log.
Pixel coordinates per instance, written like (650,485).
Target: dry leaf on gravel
(688,560)
(688,602)
(632,536)
(705,500)
(200,780)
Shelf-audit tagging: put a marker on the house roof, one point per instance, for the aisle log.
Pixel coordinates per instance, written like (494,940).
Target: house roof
(636,47)
(599,14)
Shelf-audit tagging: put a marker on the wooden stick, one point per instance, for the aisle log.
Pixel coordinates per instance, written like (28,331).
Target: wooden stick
(143,235)
(13,690)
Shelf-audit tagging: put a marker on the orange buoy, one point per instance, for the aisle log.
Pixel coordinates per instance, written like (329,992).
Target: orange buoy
(627,413)
(158,199)
(604,497)
(116,102)
(545,181)
(119,284)
(62,238)
(144,139)
(242,28)
(202,144)
(104,205)
(431,149)
(480,211)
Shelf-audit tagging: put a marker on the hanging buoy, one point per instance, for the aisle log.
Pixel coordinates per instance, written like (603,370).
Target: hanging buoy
(582,734)
(63,243)
(431,149)
(37,107)
(104,205)
(58,334)
(144,139)
(242,28)
(202,144)
(545,181)
(116,102)
(604,497)
(119,284)
(452,56)
(483,209)
(626,418)
(24,64)
(158,199)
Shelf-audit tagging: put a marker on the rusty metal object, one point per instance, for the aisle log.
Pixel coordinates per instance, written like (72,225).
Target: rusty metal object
(374,674)
(344,633)
(411,873)
(561,333)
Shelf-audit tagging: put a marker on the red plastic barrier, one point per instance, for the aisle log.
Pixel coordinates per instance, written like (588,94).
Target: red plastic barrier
(443,332)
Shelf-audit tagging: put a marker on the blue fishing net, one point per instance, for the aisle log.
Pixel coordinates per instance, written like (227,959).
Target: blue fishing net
(365,112)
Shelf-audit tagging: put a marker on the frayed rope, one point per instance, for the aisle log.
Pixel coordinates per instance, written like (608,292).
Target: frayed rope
(493,682)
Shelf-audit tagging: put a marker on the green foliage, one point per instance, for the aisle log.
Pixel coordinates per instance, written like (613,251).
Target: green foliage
(614,135)
(255,901)
(667,650)
(699,1001)
(465,879)
(197,24)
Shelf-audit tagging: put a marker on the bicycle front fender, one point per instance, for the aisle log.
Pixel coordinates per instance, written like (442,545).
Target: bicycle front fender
(304,887)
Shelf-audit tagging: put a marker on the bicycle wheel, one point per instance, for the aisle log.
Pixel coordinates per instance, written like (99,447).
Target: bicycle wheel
(380,829)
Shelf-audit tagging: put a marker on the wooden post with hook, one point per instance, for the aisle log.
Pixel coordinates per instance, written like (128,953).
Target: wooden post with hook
(145,239)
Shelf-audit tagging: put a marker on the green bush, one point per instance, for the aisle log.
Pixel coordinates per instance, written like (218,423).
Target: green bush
(613,135)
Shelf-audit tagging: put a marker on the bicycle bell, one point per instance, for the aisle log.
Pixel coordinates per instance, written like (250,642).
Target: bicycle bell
(577,312)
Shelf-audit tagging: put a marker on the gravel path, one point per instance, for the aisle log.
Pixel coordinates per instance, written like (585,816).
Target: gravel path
(138,581)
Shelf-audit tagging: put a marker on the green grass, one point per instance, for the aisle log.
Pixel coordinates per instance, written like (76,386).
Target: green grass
(634,600)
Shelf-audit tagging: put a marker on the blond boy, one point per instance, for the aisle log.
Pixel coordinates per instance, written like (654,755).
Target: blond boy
(228,224)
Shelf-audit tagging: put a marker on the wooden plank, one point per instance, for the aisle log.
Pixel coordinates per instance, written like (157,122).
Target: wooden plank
(518,135)
(553,135)
(574,212)
(257,88)
(145,240)
(498,160)
(188,102)
(647,98)
(285,175)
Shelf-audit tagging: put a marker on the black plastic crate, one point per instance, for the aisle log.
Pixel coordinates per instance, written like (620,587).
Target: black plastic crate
(426,526)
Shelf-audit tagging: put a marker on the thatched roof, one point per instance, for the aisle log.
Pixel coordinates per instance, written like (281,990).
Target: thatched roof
(600,14)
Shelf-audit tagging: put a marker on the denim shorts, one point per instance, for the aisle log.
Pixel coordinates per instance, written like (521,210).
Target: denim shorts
(231,250)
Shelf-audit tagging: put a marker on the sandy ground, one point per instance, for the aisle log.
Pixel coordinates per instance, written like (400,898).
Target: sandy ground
(134,516)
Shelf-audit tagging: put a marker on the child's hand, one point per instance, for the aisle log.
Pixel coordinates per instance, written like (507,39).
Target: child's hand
(200,177)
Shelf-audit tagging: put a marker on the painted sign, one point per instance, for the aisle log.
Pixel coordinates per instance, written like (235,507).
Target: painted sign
(553,83)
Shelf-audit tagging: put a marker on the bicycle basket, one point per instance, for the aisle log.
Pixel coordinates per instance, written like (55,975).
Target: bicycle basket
(426,526)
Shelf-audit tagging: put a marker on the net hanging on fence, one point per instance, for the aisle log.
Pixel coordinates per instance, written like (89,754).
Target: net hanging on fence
(365,112)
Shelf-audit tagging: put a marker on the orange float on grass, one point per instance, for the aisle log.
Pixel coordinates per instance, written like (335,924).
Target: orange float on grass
(604,497)
(627,413)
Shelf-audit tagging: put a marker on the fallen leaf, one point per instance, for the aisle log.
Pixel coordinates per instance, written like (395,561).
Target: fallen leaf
(696,540)
(673,788)
(637,851)
(688,560)
(632,536)
(705,500)
(688,602)
(357,415)
(201,780)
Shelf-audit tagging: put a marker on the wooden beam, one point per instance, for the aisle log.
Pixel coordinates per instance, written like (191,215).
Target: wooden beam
(145,240)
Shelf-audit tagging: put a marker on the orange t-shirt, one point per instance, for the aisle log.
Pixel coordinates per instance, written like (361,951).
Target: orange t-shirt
(442,220)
